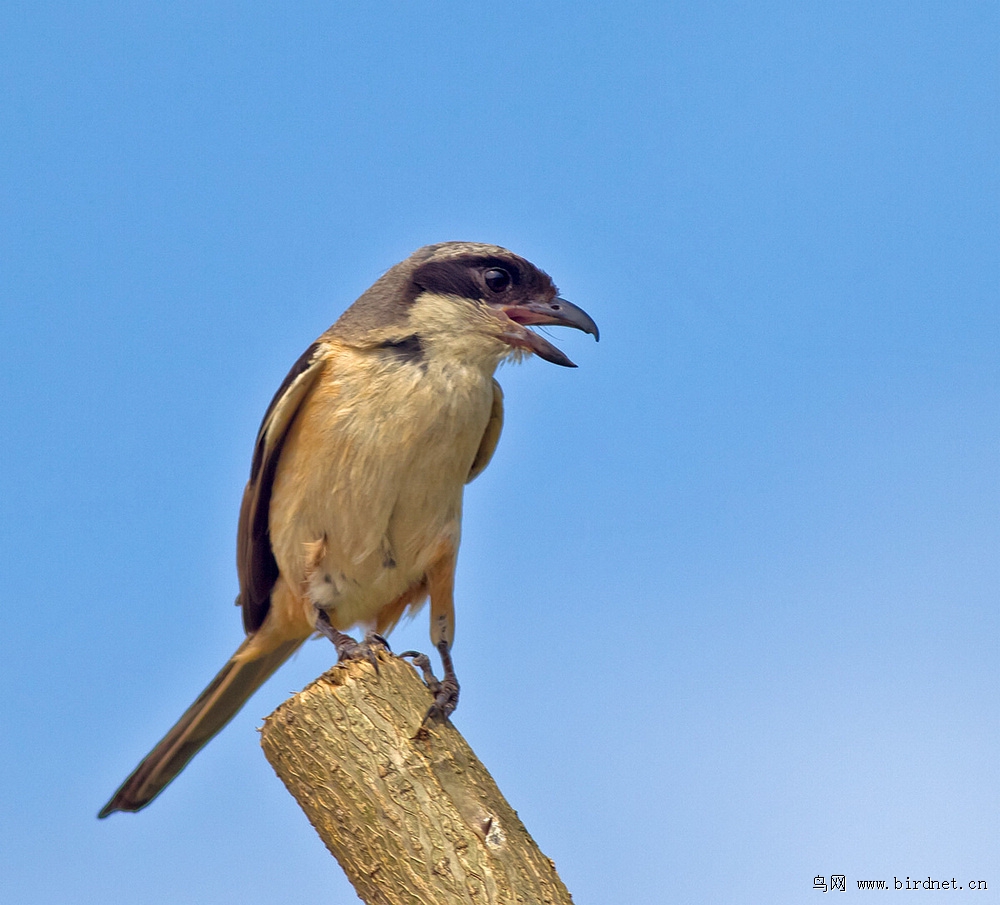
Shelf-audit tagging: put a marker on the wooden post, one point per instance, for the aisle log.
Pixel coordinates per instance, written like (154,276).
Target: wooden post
(411,814)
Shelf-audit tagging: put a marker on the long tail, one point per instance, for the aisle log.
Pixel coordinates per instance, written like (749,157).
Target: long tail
(215,707)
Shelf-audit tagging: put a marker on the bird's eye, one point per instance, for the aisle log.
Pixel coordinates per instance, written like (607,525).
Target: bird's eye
(497,279)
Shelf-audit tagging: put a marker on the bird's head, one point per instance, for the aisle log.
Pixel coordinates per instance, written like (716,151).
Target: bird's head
(479,301)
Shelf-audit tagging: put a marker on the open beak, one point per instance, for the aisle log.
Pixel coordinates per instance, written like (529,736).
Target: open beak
(555,312)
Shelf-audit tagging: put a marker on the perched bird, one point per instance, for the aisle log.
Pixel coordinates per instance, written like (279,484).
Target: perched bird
(352,514)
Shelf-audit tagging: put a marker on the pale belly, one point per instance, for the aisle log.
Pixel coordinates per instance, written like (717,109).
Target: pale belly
(366,517)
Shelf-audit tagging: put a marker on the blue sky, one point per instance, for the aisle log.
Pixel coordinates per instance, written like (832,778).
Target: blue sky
(727,599)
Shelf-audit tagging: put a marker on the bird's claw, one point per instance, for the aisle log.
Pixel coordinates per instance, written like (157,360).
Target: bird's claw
(363,650)
(445,690)
(445,701)
(423,663)
(348,648)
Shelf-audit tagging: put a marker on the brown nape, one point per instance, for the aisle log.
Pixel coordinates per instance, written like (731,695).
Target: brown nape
(383,305)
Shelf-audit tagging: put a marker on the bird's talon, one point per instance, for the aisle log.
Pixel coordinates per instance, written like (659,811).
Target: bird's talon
(347,647)
(445,702)
(356,651)
(423,663)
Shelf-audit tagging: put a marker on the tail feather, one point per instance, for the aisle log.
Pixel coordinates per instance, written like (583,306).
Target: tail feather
(215,707)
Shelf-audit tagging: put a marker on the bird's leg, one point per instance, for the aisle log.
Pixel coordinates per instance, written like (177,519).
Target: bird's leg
(446,694)
(445,690)
(347,647)
(440,585)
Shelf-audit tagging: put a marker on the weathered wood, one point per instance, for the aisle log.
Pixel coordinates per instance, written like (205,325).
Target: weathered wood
(411,814)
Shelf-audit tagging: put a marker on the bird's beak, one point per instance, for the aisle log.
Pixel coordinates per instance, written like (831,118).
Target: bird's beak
(555,312)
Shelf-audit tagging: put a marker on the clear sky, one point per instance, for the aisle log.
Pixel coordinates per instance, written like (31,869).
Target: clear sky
(728,594)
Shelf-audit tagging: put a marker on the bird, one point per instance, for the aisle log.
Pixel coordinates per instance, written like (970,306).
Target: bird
(352,513)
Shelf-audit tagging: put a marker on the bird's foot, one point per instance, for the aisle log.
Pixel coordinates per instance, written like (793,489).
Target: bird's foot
(445,690)
(347,647)
(423,663)
(445,700)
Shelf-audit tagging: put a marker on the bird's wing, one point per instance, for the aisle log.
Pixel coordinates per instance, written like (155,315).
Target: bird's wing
(255,562)
(491,436)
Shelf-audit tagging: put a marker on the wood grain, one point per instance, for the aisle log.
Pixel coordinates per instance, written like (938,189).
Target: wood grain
(410,813)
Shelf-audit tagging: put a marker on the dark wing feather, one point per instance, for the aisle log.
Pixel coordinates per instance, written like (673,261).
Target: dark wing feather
(255,563)
(491,436)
